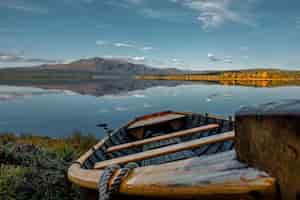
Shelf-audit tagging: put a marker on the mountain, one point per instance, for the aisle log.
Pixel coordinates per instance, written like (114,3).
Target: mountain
(108,66)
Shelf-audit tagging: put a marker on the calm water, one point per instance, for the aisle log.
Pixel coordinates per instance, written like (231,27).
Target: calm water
(58,112)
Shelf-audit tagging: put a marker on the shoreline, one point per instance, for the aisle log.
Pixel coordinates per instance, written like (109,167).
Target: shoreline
(252,78)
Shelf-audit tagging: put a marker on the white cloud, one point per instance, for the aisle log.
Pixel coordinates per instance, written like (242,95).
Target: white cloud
(120,44)
(138,58)
(227,61)
(177,62)
(9,57)
(139,96)
(101,42)
(166,14)
(213,13)
(215,58)
(124,45)
(147,48)
(15,58)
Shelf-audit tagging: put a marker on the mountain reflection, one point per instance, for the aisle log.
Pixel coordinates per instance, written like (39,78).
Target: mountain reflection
(116,85)
(111,86)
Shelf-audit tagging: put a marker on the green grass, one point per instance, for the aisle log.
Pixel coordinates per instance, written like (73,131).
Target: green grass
(10,178)
(35,167)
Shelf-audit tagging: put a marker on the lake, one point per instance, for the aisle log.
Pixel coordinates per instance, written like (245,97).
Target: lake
(58,112)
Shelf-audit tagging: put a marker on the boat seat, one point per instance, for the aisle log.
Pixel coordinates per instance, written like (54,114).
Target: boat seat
(165,158)
(183,146)
(156,138)
(122,139)
(118,139)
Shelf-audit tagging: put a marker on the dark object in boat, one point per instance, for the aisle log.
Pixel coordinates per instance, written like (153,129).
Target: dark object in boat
(103,125)
(176,157)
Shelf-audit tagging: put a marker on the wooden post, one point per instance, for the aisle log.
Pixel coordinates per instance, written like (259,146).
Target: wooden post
(268,137)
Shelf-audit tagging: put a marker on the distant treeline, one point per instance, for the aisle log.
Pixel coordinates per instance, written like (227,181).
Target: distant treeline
(259,77)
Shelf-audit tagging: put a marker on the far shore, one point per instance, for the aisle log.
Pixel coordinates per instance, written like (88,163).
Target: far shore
(245,78)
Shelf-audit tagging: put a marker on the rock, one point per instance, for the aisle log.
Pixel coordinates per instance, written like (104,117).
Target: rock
(268,137)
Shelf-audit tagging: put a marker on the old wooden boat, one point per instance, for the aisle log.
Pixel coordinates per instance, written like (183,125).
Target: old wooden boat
(176,155)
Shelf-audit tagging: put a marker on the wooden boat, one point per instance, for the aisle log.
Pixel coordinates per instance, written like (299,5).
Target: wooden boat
(178,156)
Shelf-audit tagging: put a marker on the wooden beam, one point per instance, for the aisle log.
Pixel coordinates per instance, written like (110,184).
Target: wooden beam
(162,137)
(167,150)
(155,120)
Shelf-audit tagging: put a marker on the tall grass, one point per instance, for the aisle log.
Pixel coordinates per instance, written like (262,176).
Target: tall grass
(35,167)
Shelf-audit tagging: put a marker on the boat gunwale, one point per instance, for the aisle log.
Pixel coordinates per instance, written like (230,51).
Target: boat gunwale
(89,180)
(82,177)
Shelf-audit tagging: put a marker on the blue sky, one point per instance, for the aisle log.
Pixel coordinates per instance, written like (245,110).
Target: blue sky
(188,34)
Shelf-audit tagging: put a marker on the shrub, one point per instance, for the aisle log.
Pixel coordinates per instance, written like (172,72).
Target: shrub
(10,178)
(35,167)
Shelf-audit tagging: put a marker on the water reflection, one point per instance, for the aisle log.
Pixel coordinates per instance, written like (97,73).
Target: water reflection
(59,109)
(261,83)
(105,86)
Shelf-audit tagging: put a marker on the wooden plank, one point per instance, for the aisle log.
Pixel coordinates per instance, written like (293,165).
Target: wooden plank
(155,120)
(162,137)
(195,178)
(220,184)
(167,150)
(198,178)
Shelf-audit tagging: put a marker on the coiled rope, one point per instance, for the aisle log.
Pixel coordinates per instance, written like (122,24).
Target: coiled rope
(105,191)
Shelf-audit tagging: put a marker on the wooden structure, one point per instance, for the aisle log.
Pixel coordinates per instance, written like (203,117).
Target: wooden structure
(180,156)
(268,137)
(162,137)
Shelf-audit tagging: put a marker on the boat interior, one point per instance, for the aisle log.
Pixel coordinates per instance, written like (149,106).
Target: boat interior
(160,138)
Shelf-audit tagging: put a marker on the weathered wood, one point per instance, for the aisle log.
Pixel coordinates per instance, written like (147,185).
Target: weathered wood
(201,178)
(218,176)
(155,120)
(84,178)
(245,183)
(167,150)
(162,137)
(268,137)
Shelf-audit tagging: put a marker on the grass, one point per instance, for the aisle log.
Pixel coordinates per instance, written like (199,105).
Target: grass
(10,178)
(35,167)
(76,142)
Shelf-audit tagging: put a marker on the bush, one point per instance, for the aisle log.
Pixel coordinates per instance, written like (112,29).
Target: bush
(81,142)
(10,178)
(37,173)
(7,138)
(35,167)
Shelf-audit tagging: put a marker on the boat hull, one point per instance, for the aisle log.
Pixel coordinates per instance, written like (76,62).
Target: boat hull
(205,174)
